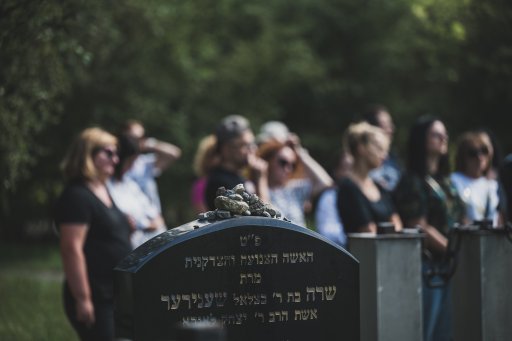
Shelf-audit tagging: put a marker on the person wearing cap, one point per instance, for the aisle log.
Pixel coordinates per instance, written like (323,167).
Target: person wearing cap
(236,150)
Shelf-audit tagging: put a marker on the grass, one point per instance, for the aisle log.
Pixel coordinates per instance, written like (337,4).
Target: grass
(30,293)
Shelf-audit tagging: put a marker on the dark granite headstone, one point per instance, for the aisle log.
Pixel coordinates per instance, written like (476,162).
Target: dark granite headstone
(262,278)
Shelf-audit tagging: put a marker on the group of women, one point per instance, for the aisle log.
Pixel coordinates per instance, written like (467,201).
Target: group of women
(95,233)
(427,197)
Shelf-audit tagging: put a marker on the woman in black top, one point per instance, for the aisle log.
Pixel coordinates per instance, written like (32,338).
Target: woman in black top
(361,202)
(425,197)
(94,234)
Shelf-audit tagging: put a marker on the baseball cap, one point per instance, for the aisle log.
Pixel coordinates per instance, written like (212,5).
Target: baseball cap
(231,127)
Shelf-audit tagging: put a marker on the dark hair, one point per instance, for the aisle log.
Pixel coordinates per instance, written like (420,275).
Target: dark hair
(128,124)
(230,128)
(372,112)
(417,149)
(128,147)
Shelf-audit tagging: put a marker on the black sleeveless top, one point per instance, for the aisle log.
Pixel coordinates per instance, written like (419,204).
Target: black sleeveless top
(357,210)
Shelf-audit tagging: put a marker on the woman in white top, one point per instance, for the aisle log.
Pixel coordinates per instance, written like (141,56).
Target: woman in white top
(479,193)
(143,215)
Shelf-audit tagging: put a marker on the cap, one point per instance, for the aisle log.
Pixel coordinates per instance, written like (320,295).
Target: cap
(231,127)
(273,130)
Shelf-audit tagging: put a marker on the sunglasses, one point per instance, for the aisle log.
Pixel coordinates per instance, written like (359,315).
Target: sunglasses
(283,163)
(476,152)
(108,152)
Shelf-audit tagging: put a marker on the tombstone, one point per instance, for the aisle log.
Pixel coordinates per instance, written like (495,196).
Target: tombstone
(261,278)
(482,299)
(391,284)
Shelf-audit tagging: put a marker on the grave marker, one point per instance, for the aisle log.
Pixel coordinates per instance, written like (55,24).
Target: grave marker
(262,278)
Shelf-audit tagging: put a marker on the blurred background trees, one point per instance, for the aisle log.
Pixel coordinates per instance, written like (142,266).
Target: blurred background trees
(179,66)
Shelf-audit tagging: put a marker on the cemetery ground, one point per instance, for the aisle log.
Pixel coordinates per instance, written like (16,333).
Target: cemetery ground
(30,293)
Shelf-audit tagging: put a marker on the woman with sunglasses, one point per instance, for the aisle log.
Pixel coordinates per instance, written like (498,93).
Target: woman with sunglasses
(426,198)
(362,203)
(479,192)
(94,234)
(294,177)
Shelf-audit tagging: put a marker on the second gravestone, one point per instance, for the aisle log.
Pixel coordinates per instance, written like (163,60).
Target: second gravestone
(262,278)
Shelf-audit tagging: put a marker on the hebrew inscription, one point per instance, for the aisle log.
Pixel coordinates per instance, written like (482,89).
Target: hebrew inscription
(203,263)
(290,300)
(262,279)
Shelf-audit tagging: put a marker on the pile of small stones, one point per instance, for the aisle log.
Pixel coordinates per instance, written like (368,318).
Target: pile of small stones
(237,201)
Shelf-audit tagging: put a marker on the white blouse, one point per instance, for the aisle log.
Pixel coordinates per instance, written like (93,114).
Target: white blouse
(479,195)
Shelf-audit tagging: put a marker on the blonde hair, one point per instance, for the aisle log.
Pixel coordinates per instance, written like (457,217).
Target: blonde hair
(78,163)
(361,134)
(206,156)
(467,141)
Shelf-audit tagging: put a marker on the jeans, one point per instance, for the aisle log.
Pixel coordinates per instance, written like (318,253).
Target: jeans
(437,309)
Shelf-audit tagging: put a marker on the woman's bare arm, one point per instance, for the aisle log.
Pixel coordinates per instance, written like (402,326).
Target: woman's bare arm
(72,238)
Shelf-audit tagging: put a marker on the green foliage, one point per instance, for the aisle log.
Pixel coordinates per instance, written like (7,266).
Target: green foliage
(31,310)
(179,66)
(30,292)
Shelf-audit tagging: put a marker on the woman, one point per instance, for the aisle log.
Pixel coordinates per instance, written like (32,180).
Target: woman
(362,203)
(205,160)
(426,198)
(327,217)
(94,234)
(287,191)
(143,215)
(479,193)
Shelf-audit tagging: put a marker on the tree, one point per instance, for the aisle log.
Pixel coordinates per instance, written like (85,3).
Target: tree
(179,66)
